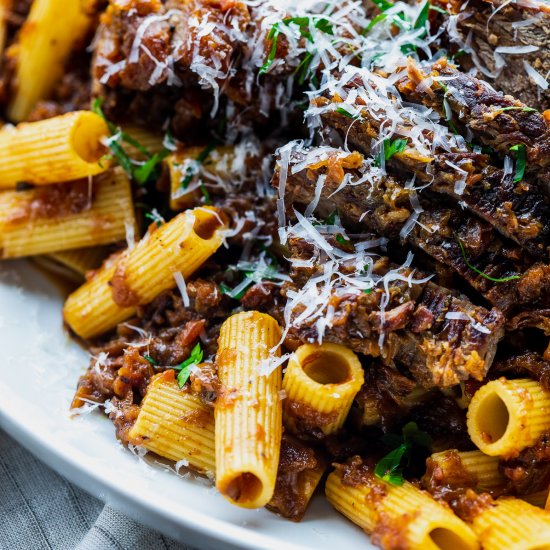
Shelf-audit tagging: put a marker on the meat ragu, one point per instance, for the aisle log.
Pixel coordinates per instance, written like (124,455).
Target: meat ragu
(341,172)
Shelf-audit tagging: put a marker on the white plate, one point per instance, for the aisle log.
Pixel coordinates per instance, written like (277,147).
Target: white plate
(39,369)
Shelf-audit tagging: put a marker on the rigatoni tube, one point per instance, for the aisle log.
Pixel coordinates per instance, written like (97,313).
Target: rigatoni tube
(81,260)
(43,45)
(506,416)
(514,524)
(248,410)
(383,510)
(112,295)
(63,148)
(320,384)
(472,469)
(175,424)
(61,217)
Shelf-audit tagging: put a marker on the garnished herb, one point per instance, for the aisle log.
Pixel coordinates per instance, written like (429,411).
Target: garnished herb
(273,35)
(254,272)
(422,16)
(342,111)
(155,217)
(141,172)
(479,272)
(394,147)
(374,22)
(150,359)
(332,218)
(383,5)
(302,70)
(367,290)
(201,157)
(521,161)
(185,367)
(339,238)
(390,467)
(522,109)
(304,24)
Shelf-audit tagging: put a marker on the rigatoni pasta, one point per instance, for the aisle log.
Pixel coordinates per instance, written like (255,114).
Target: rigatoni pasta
(114,292)
(506,416)
(66,216)
(248,410)
(173,423)
(81,260)
(55,150)
(320,384)
(512,523)
(308,245)
(468,468)
(395,512)
(45,42)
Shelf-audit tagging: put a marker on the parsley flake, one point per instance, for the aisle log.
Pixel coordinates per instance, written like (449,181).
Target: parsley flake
(185,367)
(390,467)
(521,161)
(141,172)
(479,272)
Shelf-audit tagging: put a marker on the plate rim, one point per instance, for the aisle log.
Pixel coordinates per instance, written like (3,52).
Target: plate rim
(210,530)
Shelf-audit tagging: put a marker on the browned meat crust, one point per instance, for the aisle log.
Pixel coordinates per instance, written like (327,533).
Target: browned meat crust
(383,204)
(518,210)
(290,499)
(437,349)
(488,30)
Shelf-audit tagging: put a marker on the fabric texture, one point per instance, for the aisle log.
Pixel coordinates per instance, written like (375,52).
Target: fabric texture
(41,510)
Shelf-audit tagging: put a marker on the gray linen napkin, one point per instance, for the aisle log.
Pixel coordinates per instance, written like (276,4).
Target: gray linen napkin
(41,510)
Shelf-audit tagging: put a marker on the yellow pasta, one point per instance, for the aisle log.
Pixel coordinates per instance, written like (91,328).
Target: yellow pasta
(63,148)
(81,260)
(506,416)
(320,383)
(190,164)
(385,510)
(511,523)
(175,424)
(471,469)
(44,44)
(177,248)
(248,410)
(150,141)
(63,217)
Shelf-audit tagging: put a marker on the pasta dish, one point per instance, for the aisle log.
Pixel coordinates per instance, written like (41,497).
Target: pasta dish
(308,246)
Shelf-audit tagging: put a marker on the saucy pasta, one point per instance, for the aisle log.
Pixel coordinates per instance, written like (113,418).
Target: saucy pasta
(308,244)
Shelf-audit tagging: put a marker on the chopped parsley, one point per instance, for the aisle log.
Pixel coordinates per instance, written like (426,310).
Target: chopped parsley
(141,172)
(394,147)
(155,217)
(339,238)
(383,5)
(522,109)
(479,272)
(150,360)
(303,23)
(254,272)
(185,367)
(390,467)
(422,16)
(342,111)
(273,35)
(521,161)
(201,157)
